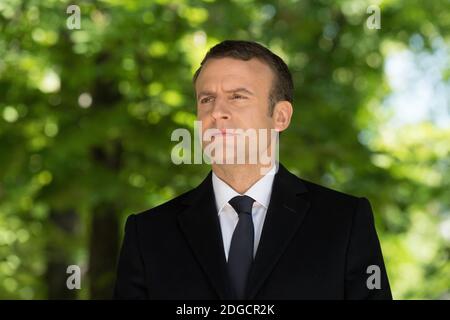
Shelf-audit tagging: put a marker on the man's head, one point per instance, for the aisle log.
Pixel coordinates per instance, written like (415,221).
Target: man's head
(243,85)
(282,87)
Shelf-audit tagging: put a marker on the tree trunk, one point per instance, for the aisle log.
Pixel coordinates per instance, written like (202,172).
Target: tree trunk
(58,256)
(103,250)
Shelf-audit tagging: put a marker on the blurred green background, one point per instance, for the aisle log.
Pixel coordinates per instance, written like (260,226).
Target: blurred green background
(86,117)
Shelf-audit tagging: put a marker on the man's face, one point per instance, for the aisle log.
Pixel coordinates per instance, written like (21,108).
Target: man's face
(234,94)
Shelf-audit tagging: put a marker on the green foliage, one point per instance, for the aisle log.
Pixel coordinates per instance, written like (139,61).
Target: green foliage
(86,117)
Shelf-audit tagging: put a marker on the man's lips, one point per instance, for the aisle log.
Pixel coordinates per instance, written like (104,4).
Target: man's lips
(224,133)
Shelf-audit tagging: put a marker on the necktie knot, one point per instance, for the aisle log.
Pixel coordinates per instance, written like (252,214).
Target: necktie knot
(242,204)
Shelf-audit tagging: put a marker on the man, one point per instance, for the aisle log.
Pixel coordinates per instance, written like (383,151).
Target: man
(251,230)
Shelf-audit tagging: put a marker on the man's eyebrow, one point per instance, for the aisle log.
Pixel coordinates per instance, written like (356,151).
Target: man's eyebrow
(241,89)
(210,93)
(204,93)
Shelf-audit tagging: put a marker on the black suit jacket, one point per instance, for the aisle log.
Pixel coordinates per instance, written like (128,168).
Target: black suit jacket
(316,243)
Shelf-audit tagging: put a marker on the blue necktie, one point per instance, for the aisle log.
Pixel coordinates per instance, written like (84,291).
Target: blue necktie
(240,256)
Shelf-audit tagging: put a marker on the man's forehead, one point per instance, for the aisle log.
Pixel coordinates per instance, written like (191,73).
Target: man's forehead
(228,65)
(231,74)
(227,82)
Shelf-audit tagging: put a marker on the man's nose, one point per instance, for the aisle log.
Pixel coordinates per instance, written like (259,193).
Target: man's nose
(220,110)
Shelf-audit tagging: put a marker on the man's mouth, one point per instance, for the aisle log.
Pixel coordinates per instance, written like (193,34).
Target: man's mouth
(224,133)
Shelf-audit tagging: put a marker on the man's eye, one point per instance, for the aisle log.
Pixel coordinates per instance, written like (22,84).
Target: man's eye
(238,96)
(205,100)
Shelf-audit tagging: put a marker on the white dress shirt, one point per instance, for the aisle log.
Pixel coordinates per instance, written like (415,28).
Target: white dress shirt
(228,217)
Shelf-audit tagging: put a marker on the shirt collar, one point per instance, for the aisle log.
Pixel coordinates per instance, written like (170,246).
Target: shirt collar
(261,190)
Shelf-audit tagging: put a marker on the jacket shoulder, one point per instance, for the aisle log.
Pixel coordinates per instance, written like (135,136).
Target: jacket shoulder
(167,209)
(331,200)
(313,190)
(323,192)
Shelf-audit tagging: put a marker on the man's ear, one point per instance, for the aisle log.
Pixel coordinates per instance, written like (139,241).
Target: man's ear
(282,114)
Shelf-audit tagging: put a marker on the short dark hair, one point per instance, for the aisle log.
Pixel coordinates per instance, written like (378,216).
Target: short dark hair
(282,86)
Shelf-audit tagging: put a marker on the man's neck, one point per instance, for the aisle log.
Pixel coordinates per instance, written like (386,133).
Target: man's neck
(240,177)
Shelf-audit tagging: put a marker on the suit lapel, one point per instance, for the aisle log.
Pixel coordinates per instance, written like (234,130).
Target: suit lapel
(283,218)
(200,225)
